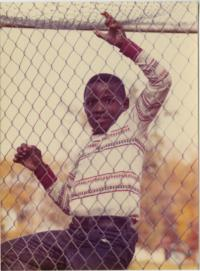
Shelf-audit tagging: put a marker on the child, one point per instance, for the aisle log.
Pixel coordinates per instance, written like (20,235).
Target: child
(102,192)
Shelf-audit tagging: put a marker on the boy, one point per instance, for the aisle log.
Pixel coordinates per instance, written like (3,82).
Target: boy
(102,192)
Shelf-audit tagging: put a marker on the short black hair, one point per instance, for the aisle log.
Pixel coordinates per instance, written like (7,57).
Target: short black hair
(108,78)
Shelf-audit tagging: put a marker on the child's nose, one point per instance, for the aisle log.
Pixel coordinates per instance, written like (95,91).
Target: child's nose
(99,107)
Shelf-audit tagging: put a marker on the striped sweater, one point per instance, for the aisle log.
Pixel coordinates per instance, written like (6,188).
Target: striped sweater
(106,177)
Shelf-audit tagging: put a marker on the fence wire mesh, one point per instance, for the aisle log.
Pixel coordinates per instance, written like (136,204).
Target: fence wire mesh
(43,76)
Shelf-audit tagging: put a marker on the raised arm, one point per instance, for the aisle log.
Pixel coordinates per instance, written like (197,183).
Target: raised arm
(31,158)
(159,80)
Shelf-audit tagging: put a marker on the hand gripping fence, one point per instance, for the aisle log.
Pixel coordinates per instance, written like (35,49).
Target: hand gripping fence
(49,52)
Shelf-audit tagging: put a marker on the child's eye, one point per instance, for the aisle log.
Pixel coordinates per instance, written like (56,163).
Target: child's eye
(90,103)
(107,100)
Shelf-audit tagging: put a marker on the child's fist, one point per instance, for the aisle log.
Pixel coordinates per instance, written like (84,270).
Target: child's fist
(28,156)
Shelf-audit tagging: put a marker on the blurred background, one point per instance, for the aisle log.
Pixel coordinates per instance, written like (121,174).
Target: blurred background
(43,75)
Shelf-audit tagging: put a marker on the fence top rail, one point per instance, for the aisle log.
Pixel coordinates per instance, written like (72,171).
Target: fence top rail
(131,26)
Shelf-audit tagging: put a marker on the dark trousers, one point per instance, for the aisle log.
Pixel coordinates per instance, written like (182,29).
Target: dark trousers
(89,243)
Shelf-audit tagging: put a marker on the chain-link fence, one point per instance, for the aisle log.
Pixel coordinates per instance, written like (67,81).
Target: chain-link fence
(43,75)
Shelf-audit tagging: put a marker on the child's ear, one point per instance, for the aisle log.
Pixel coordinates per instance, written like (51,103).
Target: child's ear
(126,103)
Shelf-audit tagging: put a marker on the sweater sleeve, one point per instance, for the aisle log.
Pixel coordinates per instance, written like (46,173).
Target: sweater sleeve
(159,81)
(57,190)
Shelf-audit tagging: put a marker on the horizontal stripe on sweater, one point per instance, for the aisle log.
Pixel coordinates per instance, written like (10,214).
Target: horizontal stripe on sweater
(102,190)
(120,143)
(107,176)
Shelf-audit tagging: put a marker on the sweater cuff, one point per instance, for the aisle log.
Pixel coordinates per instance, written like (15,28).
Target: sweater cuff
(45,175)
(130,49)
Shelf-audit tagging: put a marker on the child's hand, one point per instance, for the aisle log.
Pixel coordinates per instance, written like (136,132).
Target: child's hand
(115,34)
(28,156)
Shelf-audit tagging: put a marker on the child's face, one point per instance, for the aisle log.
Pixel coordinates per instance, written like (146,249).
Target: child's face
(103,105)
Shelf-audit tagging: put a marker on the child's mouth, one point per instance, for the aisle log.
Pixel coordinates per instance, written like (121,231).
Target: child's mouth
(101,120)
